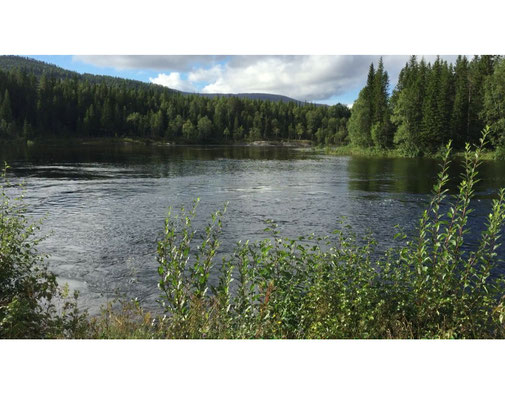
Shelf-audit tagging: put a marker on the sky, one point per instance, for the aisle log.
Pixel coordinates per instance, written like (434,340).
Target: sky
(327,79)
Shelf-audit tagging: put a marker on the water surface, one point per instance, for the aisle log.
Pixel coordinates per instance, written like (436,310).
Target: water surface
(104,205)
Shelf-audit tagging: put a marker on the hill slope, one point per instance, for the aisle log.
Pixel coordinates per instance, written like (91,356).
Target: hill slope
(37,67)
(9,62)
(255,96)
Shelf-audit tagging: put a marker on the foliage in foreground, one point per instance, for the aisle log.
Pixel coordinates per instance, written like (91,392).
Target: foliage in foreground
(32,305)
(433,286)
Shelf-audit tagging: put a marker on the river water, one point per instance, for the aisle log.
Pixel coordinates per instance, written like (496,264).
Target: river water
(104,204)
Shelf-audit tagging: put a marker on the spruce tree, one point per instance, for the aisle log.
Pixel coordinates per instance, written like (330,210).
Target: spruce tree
(403,111)
(362,113)
(494,104)
(369,92)
(480,68)
(445,103)
(430,136)
(6,108)
(459,115)
(381,128)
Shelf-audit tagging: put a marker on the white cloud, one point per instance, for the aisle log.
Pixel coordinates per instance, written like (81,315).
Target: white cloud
(151,62)
(174,81)
(311,78)
(205,75)
(303,77)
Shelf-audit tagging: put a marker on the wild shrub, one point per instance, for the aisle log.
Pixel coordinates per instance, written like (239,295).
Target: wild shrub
(432,286)
(32,305)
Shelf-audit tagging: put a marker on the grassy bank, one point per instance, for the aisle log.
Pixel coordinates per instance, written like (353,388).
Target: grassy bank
(350,150)
(374,152)
(429,286)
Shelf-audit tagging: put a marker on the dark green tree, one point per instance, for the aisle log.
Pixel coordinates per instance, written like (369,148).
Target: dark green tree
(359,122)
(494,103)
(459,132)
(380,132)
(5,108)
(189,131)
(431,135)
(204,128)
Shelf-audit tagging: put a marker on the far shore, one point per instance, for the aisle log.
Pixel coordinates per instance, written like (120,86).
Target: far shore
(333,150)
(147,141)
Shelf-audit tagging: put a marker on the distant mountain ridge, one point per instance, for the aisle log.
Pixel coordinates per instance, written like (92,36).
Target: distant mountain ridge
(255,96)
(38,67)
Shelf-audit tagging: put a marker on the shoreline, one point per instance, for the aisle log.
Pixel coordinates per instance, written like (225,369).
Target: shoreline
(129,140)
(341,150)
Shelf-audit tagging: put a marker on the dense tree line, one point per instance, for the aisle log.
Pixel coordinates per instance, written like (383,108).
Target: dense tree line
(38,68)
(431,104)
(370,123)
(51,105)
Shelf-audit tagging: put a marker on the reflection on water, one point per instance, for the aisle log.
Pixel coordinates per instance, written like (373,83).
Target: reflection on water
(104,205)
(417,175)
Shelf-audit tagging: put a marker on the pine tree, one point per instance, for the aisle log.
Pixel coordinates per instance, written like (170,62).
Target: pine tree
(89,121)
(494,103)
(368,95)
(459,115)
(445,103)
(5,108)
(403,111)
(432,123)
(480,68)
(381,129)
(27,130)
(107,117)
(362,113)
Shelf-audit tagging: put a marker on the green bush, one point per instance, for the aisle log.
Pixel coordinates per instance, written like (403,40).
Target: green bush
(430,287)
(32,305)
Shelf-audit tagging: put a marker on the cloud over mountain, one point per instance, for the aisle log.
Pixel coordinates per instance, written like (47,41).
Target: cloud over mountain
(303,77)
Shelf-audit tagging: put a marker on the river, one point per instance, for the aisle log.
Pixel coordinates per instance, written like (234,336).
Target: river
(103,205)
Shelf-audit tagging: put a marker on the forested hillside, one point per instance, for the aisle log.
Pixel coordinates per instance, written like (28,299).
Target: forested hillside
(254,96)
(39,68)
(44,103)
(431,104)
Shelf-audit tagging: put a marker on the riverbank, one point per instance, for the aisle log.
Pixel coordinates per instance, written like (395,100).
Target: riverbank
(341,150)
(380,153)
(335,286)
(161,142)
